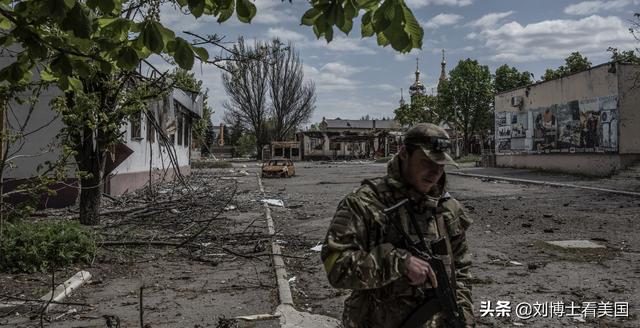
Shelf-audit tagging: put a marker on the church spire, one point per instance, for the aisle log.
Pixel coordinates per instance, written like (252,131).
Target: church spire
(401,97)
(443,64)
(417,87)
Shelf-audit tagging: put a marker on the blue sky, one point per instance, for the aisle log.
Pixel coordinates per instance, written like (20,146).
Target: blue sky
(356,77)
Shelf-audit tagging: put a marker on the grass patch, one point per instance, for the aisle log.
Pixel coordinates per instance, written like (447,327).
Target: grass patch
(44,246)
(383,159)
(471,158)
(211,164)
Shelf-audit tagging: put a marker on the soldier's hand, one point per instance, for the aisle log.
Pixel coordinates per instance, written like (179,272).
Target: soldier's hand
(419,272)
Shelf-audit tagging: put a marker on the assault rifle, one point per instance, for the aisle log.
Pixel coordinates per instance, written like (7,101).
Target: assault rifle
(445,300)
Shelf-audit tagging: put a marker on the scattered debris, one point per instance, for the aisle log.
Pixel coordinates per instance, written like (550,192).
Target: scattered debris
(292,279)
(230,207)
(548,230)
(516,263)
(526,225)
(317,248)
(273,202)
(582,244)
(547,215)
(258,317)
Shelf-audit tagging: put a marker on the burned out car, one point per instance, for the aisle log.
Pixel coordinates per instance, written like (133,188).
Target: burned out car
(278,168)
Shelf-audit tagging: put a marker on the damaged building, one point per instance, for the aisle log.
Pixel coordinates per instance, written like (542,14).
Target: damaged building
(155,145)
(584,123)
(350,139)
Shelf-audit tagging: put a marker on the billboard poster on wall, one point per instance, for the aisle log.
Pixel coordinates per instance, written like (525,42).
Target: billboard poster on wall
(519,125)
(578,126)
(503,132)
(569,128)
(608,123)
(589,123)
(545,129)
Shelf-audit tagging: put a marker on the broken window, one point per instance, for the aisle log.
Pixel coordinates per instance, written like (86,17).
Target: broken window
(136,126)
(179,129)
(187,131)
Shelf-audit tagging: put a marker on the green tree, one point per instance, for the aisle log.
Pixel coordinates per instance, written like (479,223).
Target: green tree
(468,98)
(574,63)
(245,145)
(627,56)
(507,78)
(422,109)
(91,49)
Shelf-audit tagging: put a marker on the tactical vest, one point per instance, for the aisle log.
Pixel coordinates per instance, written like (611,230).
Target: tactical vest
(415,222)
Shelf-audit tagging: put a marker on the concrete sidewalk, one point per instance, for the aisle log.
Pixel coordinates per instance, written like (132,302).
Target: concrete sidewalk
(622,184)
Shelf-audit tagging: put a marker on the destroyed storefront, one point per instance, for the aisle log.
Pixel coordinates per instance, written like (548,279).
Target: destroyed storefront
(332,145)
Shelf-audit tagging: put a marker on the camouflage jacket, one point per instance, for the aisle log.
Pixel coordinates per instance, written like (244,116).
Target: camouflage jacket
(362,251)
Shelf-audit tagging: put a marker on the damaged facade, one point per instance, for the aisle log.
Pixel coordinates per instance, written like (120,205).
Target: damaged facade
(351,139)
(141,155)
(583,123)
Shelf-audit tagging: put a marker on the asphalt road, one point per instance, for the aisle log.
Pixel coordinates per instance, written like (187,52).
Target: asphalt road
(512,262)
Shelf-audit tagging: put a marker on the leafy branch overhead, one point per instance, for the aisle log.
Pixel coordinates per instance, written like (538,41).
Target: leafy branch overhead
(391,21)
(68,33)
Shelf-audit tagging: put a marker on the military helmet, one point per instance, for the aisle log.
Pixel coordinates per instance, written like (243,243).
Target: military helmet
(433,140)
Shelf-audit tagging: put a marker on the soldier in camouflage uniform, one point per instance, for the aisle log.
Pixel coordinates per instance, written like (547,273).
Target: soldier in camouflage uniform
(363,250)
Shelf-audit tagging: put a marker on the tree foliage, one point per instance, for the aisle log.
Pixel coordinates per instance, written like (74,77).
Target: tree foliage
(574,63)
(626,56)
(246,86)
(292,99)
(507,78)
(391,21)
(422,109)
(276,75)
(467,99)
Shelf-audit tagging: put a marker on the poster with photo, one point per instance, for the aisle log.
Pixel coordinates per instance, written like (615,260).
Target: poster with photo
(519,125)
(545,128)
(503,145)
(590,135)
(503,132)
(569,125)
(608,122)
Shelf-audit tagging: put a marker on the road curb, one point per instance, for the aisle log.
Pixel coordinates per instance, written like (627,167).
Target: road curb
(289,316)
(284,291)
(545,183)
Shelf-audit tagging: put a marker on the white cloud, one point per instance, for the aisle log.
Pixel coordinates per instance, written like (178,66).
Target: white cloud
(555,39)
(340,69)
(285,35)
(593,7)
(442,20)
(342,44)
(273,12)
(416,4)
(490,19)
